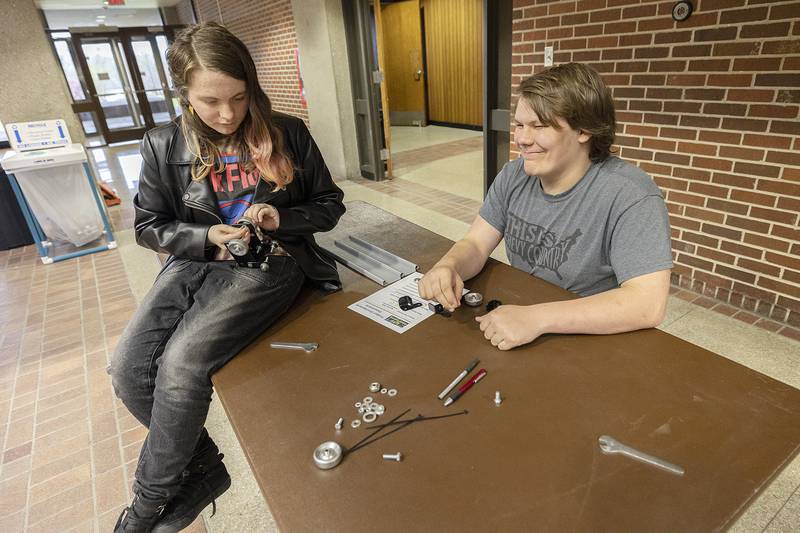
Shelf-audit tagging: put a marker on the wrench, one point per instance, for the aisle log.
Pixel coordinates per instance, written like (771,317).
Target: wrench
(305,346)
(609,445)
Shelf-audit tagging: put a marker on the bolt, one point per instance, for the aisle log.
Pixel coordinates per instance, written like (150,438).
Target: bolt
(393,456)
(338,425)
(497,399)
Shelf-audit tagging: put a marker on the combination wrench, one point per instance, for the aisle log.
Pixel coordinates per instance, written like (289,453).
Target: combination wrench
(305,346)
(610,445)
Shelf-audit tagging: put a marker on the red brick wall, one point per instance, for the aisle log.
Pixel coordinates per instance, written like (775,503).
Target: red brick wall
(709,108)
(266,27)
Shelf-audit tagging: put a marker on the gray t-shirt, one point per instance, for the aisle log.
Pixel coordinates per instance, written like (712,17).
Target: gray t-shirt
(610,227)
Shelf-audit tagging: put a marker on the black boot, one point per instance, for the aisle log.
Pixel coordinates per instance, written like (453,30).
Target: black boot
(139,517)
(204,480)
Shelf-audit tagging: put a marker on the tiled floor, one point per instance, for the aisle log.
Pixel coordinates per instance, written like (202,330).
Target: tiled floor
(69,447)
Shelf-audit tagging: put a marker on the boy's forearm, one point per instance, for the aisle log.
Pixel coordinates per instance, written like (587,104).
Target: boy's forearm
(615,311)
(465,258)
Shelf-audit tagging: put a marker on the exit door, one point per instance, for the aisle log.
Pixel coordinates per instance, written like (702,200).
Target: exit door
(126,77)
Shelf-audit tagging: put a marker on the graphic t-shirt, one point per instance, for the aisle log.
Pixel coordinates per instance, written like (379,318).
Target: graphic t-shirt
(609,227)
(234,188)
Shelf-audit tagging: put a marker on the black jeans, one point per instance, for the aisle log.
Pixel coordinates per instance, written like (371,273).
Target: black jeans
(195,318)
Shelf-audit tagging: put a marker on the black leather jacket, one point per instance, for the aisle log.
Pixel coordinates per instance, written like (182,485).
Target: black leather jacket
(174,213)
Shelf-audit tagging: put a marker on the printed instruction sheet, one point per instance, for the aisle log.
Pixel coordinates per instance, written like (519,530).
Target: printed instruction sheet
(382,306)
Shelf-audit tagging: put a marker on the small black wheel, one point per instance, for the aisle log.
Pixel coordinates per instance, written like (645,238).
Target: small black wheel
(492,305)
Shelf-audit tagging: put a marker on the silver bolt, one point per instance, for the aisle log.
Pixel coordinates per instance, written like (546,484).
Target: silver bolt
(338,425)
(497,399)
(393,456)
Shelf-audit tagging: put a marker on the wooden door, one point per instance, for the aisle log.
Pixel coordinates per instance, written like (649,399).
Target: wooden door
(405,77)
(453,50)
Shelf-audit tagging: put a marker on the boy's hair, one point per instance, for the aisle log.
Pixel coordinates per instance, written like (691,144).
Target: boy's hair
(211,46)
(577,94)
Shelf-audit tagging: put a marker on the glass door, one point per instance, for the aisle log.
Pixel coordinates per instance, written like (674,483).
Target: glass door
(150,74)
(126,75)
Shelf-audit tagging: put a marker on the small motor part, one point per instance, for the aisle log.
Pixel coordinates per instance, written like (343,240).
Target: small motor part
(255,252)
(436,307)
(383,390)
(393,456)
(473,299)
(392,392)
(492,305)
(374,387)
(327,455)
(407,304)
(339,423)
(355,423)
(497,398)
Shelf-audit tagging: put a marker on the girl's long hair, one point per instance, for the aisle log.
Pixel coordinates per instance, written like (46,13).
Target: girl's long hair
(210,46)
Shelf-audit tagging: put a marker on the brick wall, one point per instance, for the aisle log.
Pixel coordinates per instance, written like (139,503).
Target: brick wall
(266,27)
(709,108)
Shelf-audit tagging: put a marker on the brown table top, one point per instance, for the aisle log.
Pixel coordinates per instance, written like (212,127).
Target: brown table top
(532,463)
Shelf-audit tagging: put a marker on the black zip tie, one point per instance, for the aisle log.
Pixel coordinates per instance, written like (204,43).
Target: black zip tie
(404,424)
(418,419)
(357,444)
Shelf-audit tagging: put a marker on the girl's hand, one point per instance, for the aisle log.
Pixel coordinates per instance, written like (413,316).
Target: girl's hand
(264,215)
(219,234)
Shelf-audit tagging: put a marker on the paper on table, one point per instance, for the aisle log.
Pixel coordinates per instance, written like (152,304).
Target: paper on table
(382,306)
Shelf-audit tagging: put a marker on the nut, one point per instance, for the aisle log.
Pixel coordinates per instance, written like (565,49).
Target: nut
(374,387)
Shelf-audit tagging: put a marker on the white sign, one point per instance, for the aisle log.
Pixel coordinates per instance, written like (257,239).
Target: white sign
(25,136)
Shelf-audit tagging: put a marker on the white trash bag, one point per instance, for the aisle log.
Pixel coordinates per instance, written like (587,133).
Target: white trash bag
(62,201)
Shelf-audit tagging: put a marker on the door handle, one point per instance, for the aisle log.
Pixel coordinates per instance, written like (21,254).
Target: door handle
(418,75)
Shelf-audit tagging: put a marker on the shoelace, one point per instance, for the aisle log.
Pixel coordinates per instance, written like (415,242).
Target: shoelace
(202,474)
(129,509)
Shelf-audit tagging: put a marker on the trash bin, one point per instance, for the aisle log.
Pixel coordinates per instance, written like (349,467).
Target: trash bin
(58,197)
(13,230)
